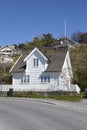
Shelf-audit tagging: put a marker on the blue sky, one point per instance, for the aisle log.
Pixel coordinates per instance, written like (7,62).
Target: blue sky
(22,20)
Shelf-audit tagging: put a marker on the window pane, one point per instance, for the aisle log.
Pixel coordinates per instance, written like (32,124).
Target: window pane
(41,78)
(28,78)
(48,78)
(44,78)
(36,62)
(24,78)
(21,79)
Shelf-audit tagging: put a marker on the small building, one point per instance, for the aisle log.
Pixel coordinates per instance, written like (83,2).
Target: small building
(7,52)
(66,40)
(49,71)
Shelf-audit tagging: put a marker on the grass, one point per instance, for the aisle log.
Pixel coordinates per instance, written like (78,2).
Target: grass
(74,98)
(66,98)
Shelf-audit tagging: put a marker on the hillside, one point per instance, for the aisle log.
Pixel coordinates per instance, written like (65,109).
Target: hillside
(79,65)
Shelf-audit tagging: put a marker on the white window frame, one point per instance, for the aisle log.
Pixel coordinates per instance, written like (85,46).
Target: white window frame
(45,79)
(36,62)
(25,79)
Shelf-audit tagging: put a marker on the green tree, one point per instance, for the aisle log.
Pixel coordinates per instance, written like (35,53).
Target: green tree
(36,40)
(47,39)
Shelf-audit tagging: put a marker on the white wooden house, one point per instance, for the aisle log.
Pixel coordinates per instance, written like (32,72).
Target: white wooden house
(50,71)
(7,50)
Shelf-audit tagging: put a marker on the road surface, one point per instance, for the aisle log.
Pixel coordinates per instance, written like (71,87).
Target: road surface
(36,114)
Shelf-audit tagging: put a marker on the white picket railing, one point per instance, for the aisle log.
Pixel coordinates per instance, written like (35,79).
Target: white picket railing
(39,87)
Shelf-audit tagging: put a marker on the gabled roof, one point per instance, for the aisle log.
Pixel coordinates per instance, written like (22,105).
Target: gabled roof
(55,61)
(19,65)
(35,49)
(6,46)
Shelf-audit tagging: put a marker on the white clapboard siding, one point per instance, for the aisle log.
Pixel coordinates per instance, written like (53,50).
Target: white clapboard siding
(17,78)
(35,71)
(66,73)
(40,87)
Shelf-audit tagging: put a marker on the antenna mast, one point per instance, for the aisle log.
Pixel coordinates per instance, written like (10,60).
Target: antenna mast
(65,30)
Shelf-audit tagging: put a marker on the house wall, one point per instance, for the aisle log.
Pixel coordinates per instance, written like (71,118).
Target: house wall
(67,65)
(35,72)
(54,79)
(17,78)
(6,51)
(66,73)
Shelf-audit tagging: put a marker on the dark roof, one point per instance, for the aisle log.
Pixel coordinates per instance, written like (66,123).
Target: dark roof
(20,66)
(66,40)
(55,60)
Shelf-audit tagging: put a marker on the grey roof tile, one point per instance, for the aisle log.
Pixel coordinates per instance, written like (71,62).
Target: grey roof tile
(20,66)
(56,60)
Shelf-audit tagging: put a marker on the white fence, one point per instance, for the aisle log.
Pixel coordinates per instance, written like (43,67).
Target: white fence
(39,87)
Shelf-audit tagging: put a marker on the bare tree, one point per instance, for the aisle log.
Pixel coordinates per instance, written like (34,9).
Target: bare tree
(76,36)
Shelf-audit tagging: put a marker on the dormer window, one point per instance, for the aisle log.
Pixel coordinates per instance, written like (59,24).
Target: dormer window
(36,62)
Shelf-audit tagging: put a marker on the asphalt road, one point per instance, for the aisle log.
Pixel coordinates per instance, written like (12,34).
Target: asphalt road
(36,114)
